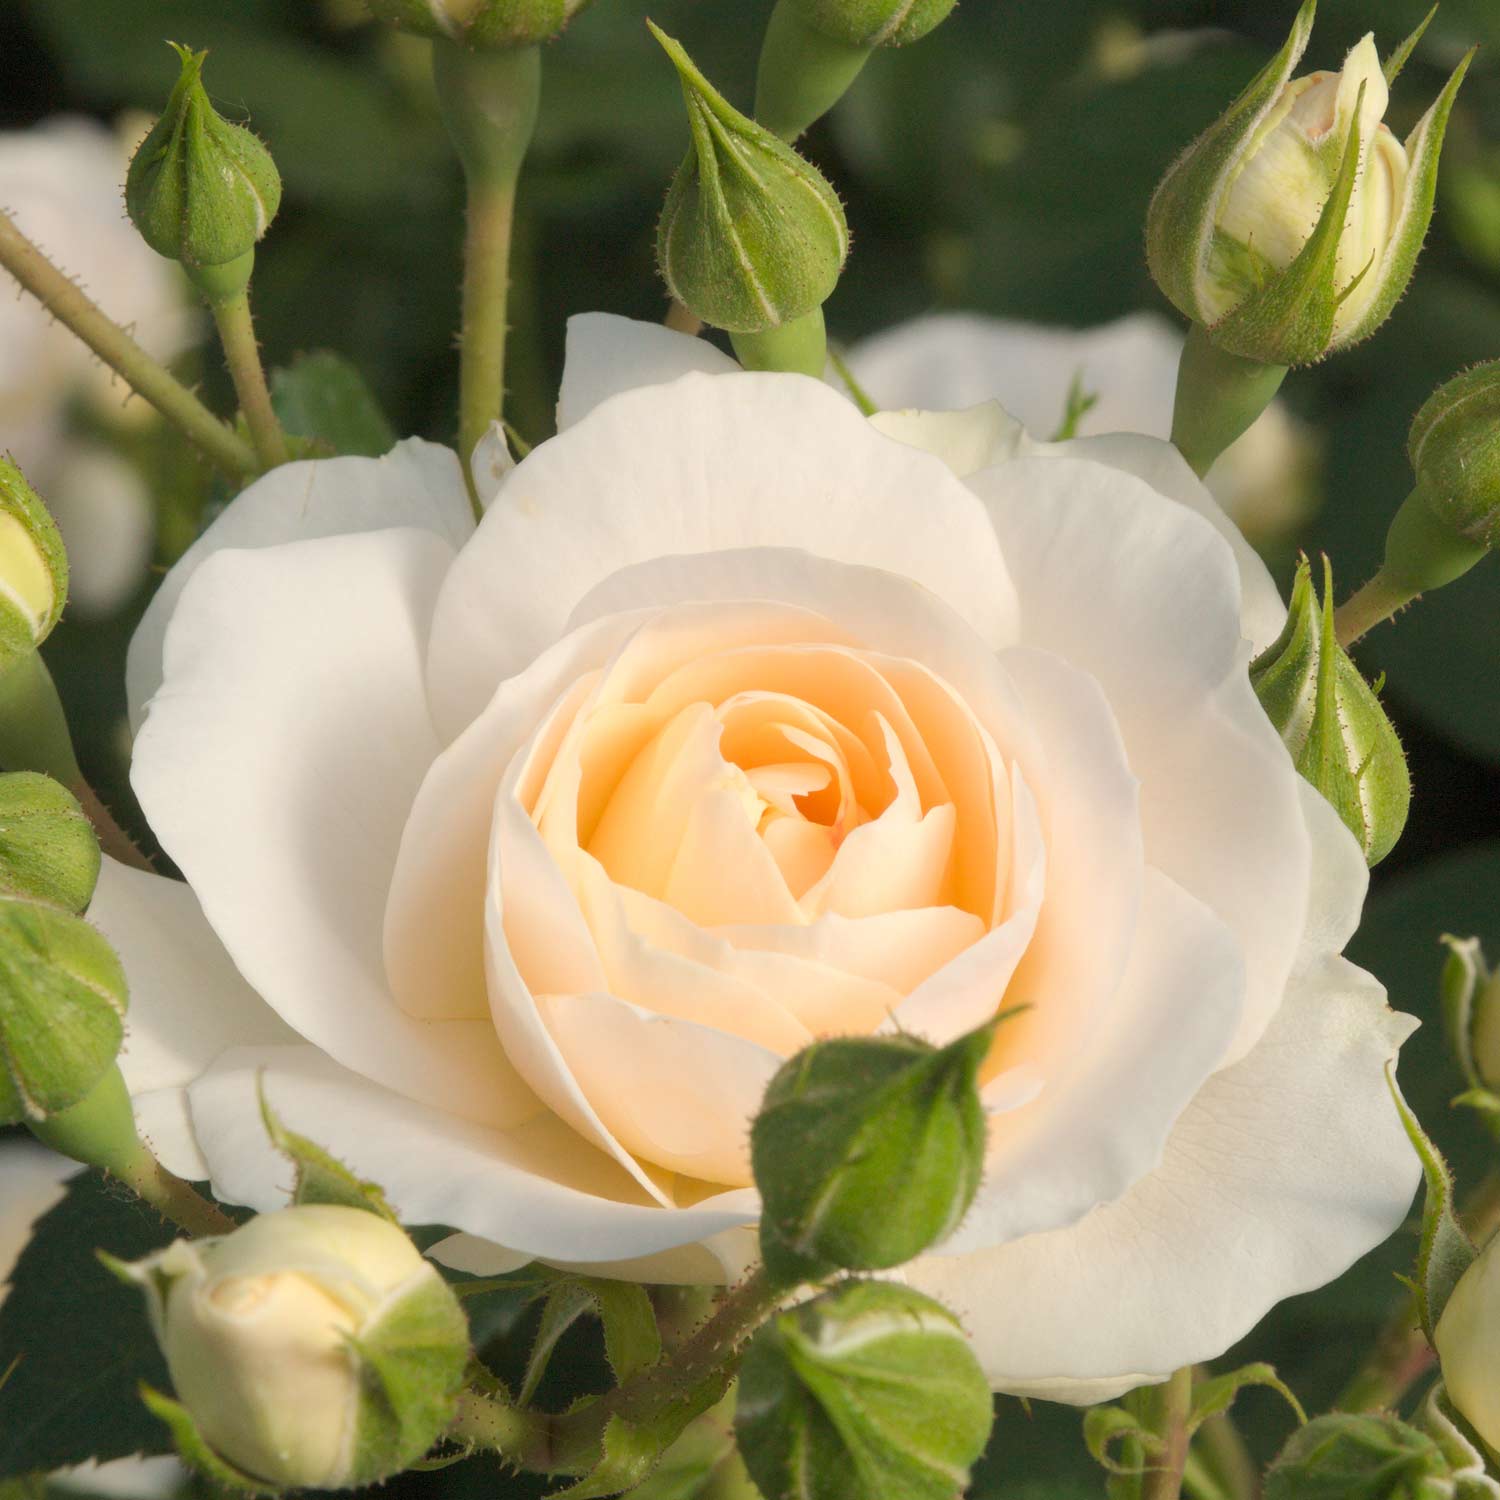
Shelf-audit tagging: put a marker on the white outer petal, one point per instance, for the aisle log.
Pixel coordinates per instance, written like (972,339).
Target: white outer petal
(687,468)
(416,484)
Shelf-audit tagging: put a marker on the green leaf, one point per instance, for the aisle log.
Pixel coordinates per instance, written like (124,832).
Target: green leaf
(1108,1428)
(322,1178)
(630,1454)
(193,1448)
(1445,1252)
(703,1456)
(322,395)
(80,1342)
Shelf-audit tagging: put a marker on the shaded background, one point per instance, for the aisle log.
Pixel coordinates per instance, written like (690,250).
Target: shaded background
(1001,165)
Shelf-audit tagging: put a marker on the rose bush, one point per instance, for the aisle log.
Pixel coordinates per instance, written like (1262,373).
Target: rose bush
(527,852)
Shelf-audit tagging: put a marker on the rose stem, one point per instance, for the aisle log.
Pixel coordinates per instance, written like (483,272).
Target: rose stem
(1219,396)
(227,289)
(75,310)
(489,104)
(34,737)
(100,1132)
(1401,1354)
(1163,1480)
(522,1438)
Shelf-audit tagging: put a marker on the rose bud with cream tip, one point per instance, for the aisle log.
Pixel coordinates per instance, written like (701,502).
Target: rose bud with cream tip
(485,25)
(312,1348)
(869,1392)
(33,568)
(1466,1338)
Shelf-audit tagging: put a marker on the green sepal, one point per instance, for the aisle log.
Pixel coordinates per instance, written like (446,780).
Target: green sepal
(199,189)
(412,1365)
(867,1151)
(1424,147)
(869,1392)
(700,1463)
(62,1007)
(321,1177)
(752,236)
(630,1453)
(1358,1456)
(1444,1251)
(1215,1395)
(1461,1446)
(485,25)
(1184,208)
(193,1449)
(875,23)
(1106,1427)
(33,568)
(1393,65)
(48,848)
(1464,978)
(1480,1100)
(1338,735)
(1288,319)
(632,1341)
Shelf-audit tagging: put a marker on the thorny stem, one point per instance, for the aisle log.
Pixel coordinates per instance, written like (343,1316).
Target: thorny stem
(71,306)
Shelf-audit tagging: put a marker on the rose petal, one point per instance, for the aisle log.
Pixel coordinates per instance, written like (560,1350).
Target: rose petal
(276,767)
(607,354)
(535,1189)
(1142,594)
(416,484)
(607,494)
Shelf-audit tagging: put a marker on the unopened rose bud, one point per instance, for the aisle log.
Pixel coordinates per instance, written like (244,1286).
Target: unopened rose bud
(33,568)
(62,1005)
(869,1392)
(1339,736)
(48,849)
(201,190)
(312,1347)
(875,23)
(1466,1338)
(484,24)
(1291,227)
(752,237)
(1454,447)
(1375,1456)
(866,1151)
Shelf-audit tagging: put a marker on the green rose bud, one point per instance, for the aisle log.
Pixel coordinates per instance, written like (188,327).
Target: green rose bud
(752,237)
(200,190)
(866,1151)
(875,23)
(486,24)
(48,850)
(312,1347)
(1332,722)
(1454,447)
(869,1392)
(33,568)
(62,1008)
(1291,227)
(1466,1338)
(1349,1456)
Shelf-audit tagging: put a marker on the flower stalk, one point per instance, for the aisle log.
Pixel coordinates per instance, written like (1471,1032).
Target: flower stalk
(73,308)
(1173,1400)
(1219,397)
(489,102)
(227,291)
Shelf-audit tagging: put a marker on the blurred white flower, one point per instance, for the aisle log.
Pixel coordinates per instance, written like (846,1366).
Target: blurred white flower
(1127,369)
(61,182)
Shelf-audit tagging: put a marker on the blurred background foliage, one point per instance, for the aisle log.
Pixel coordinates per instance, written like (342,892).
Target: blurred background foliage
(1002,165)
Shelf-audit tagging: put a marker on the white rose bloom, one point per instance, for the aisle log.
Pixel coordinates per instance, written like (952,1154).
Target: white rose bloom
(62,182)
(737,722)
(1266,481)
